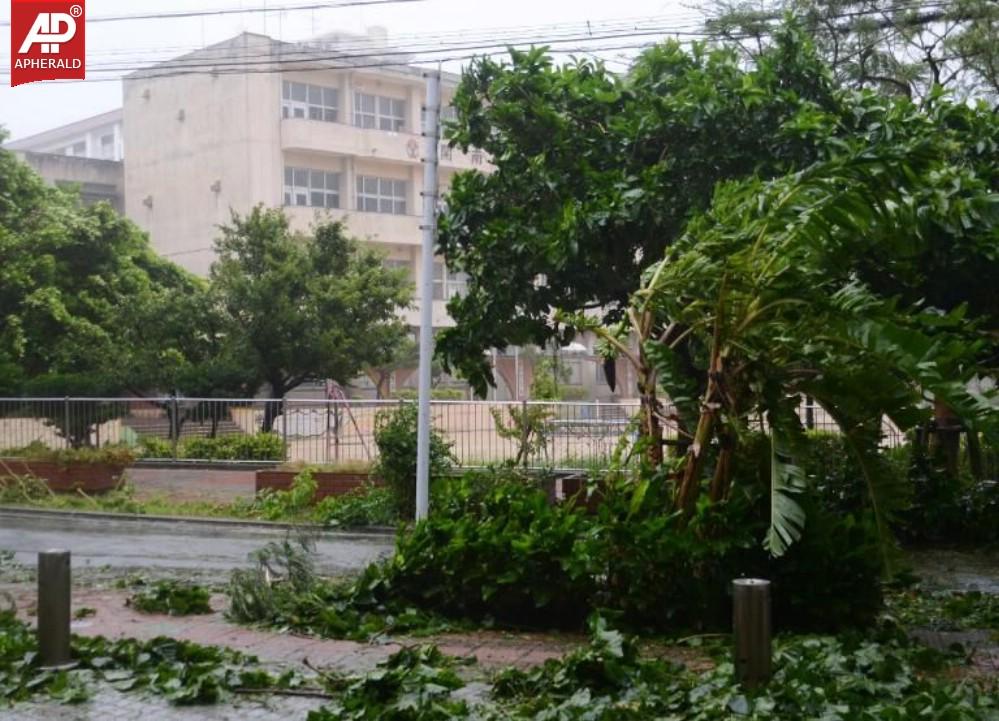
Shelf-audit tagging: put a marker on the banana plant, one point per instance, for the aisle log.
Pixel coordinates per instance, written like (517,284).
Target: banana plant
(765,291)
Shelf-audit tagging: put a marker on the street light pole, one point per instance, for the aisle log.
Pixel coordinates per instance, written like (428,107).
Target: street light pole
(432,111)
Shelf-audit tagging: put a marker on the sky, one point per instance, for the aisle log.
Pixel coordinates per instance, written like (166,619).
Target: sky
(32,108)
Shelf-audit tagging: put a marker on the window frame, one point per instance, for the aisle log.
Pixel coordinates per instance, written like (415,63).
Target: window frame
(374,194)
(379,112)
(314,103)
(300,184)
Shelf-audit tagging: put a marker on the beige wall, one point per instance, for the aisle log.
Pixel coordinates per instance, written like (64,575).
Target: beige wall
(188,133)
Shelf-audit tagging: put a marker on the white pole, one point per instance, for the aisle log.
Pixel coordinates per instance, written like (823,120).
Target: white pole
(429,227)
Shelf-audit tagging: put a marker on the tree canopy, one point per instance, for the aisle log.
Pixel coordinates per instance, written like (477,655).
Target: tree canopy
(907,48)
(595,174)
(298,307)
(82,294)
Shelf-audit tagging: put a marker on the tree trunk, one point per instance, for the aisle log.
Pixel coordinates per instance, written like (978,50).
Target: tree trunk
(722,479)
(690,480)
(273,408)
(650,428)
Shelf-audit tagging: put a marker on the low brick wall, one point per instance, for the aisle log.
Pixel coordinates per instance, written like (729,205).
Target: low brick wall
(328,483)
(67,477)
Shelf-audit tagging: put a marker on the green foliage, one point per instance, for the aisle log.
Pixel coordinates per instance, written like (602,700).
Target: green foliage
(395,436)
(172,597)
(109,455)
(156,447)
(814,678)
(912,49)
(299,307)
(275,505)
(283,590)
(369,505)
(413,684)
(87,307)
(437,394)
(833,679)
(919,607)
(494,549)
(182,672)
(597,172)
(237,447)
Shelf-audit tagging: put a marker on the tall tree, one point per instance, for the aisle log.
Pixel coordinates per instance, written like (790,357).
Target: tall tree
(895,47)
(301,307)
(597,173)
(83,297)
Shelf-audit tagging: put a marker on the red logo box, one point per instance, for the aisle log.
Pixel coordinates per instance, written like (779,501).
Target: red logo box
(47,41)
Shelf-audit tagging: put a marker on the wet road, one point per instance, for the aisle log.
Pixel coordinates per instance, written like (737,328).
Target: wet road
(138,543)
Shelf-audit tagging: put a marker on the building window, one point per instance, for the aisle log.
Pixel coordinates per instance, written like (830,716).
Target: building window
(76,150)
(314,188)
(448,284)
(381,195)
(300,100)
(378,111)
(107,146)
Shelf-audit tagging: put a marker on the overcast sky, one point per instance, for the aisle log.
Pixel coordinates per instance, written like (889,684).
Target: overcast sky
(28,109)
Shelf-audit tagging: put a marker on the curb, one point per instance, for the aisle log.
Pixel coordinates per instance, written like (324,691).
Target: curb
(361,532)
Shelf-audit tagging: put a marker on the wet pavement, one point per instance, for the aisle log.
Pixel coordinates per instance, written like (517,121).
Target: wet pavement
(144,543)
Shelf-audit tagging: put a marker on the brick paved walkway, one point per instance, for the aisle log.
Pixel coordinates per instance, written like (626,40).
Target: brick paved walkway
(114,620)
(110,705)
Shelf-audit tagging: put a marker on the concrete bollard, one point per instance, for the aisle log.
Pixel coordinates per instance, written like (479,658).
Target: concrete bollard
(54,588)
(751,631)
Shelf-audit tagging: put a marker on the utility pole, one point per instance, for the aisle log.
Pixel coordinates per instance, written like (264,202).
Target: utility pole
(432,112)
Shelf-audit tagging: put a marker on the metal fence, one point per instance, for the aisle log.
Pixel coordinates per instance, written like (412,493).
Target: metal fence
(570,435)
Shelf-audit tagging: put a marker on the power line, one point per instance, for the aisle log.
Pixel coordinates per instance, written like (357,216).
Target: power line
(234,11)
(358,66)
(425,39)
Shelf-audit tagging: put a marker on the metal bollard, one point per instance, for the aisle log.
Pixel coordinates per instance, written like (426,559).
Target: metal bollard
(53,607)
(751,631)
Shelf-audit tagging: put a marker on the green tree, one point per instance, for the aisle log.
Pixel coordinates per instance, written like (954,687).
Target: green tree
(597,173)
(766,288)
(85,303)
(298,307)
(894,47)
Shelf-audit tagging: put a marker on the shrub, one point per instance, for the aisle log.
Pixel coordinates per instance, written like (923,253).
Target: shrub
(369,505)
(155,447)
(112,455)
(500,551)
(275,505)
(237,447)
(395,436)
(436,394)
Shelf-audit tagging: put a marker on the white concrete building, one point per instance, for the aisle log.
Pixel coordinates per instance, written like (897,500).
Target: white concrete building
(86,155)
(254,120)
(98,137)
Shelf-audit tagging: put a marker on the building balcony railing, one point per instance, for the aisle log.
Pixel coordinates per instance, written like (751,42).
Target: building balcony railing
(301,134)
(377,227)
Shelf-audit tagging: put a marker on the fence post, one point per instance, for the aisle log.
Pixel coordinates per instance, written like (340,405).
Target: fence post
(751,631)
(54,590)
(65,422)
(174,423)
(284,425)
